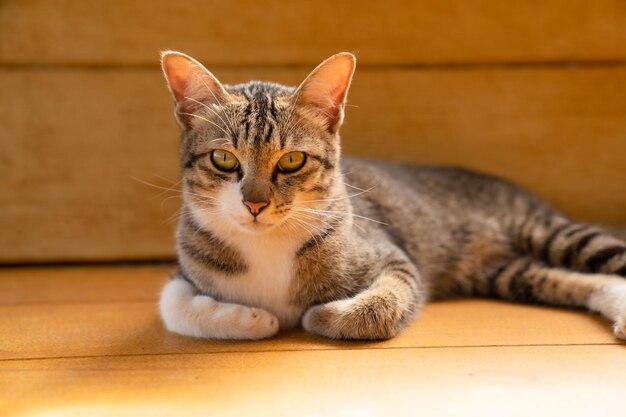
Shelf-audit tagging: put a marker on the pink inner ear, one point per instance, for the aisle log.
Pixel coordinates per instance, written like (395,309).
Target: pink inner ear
(178,83)
(191,84)
(338,94)
(328,84)
(178,72)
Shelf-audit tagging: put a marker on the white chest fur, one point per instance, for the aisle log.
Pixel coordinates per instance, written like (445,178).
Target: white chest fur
(267,280)
(270,261)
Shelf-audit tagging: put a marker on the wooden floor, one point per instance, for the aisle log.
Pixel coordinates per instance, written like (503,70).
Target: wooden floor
(83,341)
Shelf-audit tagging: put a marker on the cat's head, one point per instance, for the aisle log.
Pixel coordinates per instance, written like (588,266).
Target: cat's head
(256,155)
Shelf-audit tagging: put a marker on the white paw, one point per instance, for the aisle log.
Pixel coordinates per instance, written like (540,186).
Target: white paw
(255,323)
(619,328)
(189,314)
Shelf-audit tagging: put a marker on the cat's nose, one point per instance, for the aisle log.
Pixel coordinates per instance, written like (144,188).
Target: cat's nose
(256,207)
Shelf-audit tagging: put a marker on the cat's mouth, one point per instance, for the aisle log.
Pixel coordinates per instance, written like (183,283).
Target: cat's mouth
(255,225)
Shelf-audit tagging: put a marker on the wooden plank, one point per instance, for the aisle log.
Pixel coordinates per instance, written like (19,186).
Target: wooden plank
(75,157)
(79,153)
(112,311)
(130,366)
(558,132)
(277,33)
(134,328)
(81,284)
(512,381)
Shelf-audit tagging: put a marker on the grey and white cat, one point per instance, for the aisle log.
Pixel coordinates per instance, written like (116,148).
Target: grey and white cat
(277,230)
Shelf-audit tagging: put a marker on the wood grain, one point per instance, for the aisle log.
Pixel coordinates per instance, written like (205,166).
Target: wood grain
(398,32)
(75,159)
(512,381)
(81,284)
(106,311)
(134,328)
(65,353)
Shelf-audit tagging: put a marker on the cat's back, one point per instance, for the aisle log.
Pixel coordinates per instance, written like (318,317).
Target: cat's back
(365,170)
(433,211)
(448,187)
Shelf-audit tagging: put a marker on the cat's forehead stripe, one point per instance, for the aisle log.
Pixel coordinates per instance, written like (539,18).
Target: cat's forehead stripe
(259,116)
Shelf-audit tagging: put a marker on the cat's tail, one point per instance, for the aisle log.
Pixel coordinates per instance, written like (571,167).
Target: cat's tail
(558,241)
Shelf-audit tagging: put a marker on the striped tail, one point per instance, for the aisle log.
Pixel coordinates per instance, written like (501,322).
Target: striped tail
(557,241)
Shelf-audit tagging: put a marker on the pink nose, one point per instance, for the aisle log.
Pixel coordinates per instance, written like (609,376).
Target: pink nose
(255,208)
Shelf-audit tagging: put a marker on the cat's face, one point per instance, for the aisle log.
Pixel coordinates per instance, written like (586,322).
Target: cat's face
(258,167)
(258,156)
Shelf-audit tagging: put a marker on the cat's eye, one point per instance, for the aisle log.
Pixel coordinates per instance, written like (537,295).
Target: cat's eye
(292,161)
(224,160)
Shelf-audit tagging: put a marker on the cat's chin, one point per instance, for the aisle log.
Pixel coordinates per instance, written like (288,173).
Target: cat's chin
(256,227)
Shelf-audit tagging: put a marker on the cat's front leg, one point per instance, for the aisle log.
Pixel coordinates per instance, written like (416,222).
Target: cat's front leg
(379,312)
(186,312)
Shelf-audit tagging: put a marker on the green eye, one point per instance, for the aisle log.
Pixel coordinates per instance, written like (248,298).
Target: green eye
(292,161)
(224,160)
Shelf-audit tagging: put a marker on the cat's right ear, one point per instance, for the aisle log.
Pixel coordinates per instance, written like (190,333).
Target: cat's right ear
(192,86)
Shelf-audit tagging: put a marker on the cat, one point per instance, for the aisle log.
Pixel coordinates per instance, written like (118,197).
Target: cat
(277,230)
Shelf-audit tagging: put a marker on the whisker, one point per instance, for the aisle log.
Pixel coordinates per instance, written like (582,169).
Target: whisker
(357,188)
(290,126)
(208,108)
(304,225)
(174,217)
(339,198)
(166,199)
(204,199)
(207,120)
(341,212)
(219,139)
(169,180)
(178,192)
(166,189)
(218,101)
(333,216)
(310,216)
(174,190)
(322,232)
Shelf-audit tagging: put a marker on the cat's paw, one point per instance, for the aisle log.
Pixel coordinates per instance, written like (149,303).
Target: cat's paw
(259,323)
(619,328)
(255,323)
(321,320)
(351,319)
(185,312)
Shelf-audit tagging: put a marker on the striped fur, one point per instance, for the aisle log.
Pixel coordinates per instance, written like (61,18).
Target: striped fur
(345,247)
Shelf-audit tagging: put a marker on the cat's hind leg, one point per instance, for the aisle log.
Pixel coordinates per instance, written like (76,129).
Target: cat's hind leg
(189,313)
(529,280)
(379,312)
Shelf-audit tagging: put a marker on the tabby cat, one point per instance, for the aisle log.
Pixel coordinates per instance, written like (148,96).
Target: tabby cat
(276,230)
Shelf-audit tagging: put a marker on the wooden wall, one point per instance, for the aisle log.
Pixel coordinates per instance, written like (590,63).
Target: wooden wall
(531,90)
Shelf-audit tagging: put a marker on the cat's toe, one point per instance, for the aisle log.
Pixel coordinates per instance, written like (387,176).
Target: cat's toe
(258,324)
(330,320)
(317,320)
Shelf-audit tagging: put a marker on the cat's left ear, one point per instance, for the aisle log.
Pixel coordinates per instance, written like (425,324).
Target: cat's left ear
(191,84)
(325,90)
